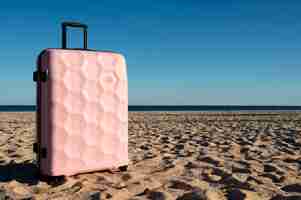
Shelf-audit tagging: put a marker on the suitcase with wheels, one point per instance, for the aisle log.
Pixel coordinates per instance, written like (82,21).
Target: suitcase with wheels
(82,109)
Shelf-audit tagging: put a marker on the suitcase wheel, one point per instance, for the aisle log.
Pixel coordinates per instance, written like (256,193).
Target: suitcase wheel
(123,168)
(52,180)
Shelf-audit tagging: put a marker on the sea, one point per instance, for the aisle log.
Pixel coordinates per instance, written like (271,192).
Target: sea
(176,108)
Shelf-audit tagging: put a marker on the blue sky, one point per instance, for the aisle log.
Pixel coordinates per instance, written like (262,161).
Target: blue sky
(178,52)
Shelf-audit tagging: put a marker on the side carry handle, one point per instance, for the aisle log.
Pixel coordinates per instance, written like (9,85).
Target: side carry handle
(76,25)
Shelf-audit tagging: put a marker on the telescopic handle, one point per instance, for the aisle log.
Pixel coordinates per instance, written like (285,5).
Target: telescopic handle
(75,25)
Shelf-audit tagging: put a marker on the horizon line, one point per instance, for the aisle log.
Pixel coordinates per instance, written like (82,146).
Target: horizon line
(186,105)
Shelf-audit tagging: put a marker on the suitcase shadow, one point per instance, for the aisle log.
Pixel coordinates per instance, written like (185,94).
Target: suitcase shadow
(21,172)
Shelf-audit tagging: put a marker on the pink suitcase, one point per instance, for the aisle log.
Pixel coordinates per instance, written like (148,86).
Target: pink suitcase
(82,109)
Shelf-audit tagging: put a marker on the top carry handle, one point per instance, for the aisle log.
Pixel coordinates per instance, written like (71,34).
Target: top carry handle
(76,25)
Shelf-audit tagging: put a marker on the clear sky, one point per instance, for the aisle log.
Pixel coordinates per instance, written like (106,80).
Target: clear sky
(245,52)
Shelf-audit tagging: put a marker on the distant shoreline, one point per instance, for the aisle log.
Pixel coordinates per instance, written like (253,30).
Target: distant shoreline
(169,108)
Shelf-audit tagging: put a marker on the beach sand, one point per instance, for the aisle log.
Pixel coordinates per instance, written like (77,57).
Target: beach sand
(183,156)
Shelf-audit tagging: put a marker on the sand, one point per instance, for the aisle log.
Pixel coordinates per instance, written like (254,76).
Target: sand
(179,156)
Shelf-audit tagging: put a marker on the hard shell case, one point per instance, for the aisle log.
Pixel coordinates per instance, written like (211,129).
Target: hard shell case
(82,109)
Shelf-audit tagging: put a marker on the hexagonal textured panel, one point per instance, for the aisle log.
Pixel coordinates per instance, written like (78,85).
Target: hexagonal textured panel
(85,111)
